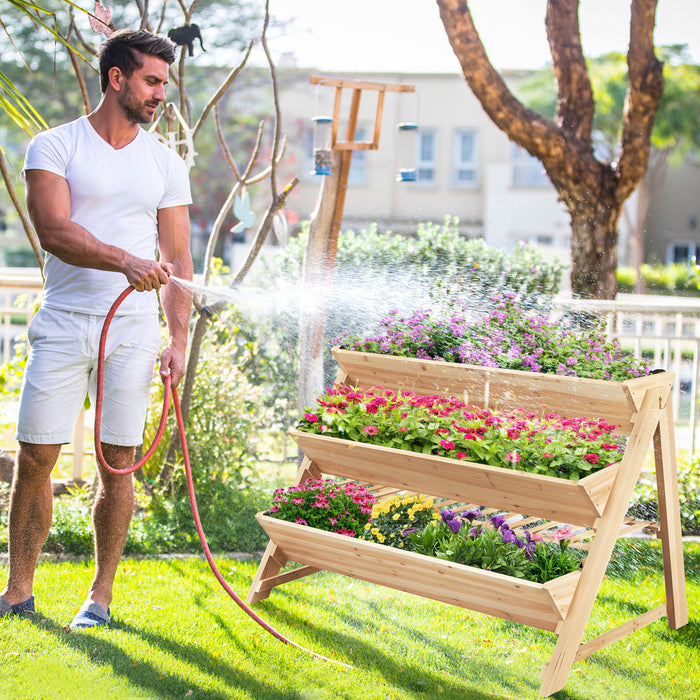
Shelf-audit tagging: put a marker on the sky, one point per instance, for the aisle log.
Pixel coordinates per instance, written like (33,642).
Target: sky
(408,35)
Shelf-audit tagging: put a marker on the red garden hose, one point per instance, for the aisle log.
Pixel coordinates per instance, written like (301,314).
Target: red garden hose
(172,391)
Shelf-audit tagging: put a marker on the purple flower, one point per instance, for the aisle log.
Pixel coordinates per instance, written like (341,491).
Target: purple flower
(497,520)
(455,525)
(447,515)
(470,515)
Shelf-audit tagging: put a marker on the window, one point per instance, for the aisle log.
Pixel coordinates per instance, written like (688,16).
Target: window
(527,170)
(426,156)
(465,159)
(683,251)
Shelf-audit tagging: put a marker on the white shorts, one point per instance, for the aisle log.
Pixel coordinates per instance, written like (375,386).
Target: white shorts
(62,370)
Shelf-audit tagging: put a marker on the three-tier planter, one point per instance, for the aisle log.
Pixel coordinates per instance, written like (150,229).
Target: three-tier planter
(595,505)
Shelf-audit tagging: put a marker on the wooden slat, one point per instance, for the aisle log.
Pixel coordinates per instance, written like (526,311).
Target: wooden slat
(618,633)
(268,584)
(507,489)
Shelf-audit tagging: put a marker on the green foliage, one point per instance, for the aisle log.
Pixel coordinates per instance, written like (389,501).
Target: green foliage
(670,278)
(626,279)
(71,527)
(675,127)
(645,502)
(434,252)
(483,548)
(226,413)
(492,545)
(551,560)
(227,513)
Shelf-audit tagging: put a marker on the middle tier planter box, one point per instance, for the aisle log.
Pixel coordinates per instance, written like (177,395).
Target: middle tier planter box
(576,502)
(539,605)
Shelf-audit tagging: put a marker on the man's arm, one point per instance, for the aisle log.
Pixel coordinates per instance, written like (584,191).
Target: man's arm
(174,246)
(48,204)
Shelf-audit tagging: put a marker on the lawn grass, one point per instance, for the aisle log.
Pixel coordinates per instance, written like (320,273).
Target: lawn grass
(176,634)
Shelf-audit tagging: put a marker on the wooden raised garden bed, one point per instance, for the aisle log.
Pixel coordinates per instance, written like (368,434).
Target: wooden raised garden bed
(535,604)
(641,410)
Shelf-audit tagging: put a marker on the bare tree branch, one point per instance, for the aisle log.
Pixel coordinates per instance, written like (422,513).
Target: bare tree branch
(222,142)
(221,91)
(76,70)
(575,106)
(646,84)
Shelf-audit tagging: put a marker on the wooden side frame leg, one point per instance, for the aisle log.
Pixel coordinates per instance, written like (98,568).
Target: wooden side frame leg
(646,421)
(274,558)
(670,520)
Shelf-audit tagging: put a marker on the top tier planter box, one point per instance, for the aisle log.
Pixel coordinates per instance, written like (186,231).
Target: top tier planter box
(503,389)
(640,408)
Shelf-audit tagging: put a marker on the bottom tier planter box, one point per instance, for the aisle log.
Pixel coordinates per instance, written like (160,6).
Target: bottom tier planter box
(539,605)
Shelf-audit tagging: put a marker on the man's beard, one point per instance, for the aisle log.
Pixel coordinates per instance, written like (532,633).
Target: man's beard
(134,110)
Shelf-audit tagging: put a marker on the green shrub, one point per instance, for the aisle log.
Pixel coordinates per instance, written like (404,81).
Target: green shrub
(71,526)
(435,252)
(645,503)
(626,279)
(671,278)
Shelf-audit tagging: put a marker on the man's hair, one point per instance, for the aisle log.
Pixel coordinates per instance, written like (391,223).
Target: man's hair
(122,50)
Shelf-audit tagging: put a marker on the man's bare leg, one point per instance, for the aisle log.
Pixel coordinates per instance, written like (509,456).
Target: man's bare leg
(31,508)
(111,515)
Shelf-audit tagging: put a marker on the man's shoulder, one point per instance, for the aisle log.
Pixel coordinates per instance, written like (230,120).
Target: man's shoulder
(62,132)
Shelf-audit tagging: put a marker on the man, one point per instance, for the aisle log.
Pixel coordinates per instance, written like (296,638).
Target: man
(101,193)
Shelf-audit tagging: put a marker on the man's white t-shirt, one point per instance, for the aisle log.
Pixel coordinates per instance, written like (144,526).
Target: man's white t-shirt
(115,195)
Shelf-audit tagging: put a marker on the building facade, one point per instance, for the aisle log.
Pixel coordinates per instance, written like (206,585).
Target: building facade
(466,167)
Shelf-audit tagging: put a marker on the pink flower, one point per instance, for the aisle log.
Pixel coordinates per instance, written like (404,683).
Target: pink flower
(298,500)
(371,430)
(447,444)
(592,458)
(512,456)
(547,455)
(311,417)
(403,429)
(563,533)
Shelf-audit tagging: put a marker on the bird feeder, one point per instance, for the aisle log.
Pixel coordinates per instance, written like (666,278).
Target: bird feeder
(408,134)
(322,145)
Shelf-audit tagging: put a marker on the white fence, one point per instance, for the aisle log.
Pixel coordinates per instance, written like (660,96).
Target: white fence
(665,329)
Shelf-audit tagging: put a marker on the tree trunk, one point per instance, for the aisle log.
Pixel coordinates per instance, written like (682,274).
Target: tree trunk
(593,257)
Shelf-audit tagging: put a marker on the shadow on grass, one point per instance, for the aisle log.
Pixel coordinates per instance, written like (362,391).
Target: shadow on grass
(141,673)
(688,635)
(412,677)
